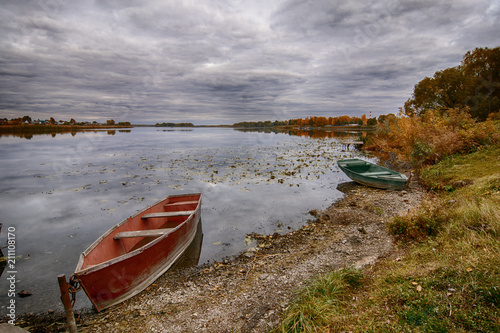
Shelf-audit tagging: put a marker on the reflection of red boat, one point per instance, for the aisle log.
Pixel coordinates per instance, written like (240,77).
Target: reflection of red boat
(135,252)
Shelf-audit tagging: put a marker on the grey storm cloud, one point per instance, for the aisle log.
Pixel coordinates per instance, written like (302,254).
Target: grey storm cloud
(220,62)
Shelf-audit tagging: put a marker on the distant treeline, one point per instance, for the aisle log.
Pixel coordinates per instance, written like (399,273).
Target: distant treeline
(25,125)
(26,120)
(174,125)
(314,122)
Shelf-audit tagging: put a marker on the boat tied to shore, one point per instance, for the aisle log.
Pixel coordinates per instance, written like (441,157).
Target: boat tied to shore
(135,252)
(370,174)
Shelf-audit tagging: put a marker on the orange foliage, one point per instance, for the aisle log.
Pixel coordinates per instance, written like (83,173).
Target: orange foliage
(426,139)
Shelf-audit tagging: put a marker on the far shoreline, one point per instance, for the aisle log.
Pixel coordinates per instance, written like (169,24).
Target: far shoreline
(48,129)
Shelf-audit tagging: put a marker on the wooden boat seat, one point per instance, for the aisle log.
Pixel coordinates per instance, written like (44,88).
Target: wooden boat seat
(181,203)
(392,176)
(356,163)
(378,173)
(167,214)
(143,233)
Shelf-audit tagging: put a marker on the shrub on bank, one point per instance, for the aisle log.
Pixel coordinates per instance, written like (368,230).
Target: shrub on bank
(428,138)
(420,223)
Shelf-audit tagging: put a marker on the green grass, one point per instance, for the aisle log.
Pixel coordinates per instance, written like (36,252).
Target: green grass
(317,305)
(458,272)
(448,276)
(459,171)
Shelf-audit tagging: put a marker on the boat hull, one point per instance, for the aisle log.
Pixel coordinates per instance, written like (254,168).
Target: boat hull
(112,281)
(372,175)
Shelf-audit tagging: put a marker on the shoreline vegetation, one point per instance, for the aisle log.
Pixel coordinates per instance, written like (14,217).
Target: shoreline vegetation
(29,130)
(48,129)
(25,125)
(11,126)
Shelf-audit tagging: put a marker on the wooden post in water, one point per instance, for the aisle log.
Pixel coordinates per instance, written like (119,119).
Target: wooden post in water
(70,317)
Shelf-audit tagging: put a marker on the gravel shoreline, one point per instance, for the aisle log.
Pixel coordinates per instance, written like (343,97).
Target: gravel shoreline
(250,293)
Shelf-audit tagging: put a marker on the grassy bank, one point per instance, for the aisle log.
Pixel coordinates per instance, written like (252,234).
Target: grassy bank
(446,273)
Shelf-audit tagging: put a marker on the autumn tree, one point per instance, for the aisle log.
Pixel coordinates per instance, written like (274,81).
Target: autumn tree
(482,66)
(447,89)
(364,119)
(386,117)
(474,84)
(321,121)
(312,121)
(356,120)
(342,120)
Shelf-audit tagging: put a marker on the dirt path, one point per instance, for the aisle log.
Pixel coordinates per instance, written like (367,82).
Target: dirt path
(249,293)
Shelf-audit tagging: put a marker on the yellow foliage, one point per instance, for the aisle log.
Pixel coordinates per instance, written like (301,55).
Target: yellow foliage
(434,135)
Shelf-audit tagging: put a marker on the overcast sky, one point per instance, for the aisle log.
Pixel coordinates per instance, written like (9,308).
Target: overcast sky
(222,61)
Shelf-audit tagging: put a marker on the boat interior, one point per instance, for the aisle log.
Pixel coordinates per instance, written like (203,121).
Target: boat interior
(139,230)
(368,169)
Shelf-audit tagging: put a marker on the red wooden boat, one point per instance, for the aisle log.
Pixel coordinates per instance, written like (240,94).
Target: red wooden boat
(138,250)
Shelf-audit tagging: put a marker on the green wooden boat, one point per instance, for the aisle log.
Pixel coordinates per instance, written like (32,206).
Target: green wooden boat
(373,175)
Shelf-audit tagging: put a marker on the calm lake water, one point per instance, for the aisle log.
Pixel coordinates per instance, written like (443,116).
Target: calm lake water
(62,192)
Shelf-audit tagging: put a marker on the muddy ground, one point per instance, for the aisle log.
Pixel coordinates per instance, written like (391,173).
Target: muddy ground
(251,292)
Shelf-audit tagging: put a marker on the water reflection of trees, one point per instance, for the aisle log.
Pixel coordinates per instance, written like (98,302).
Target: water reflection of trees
(310,133)
(29,136)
